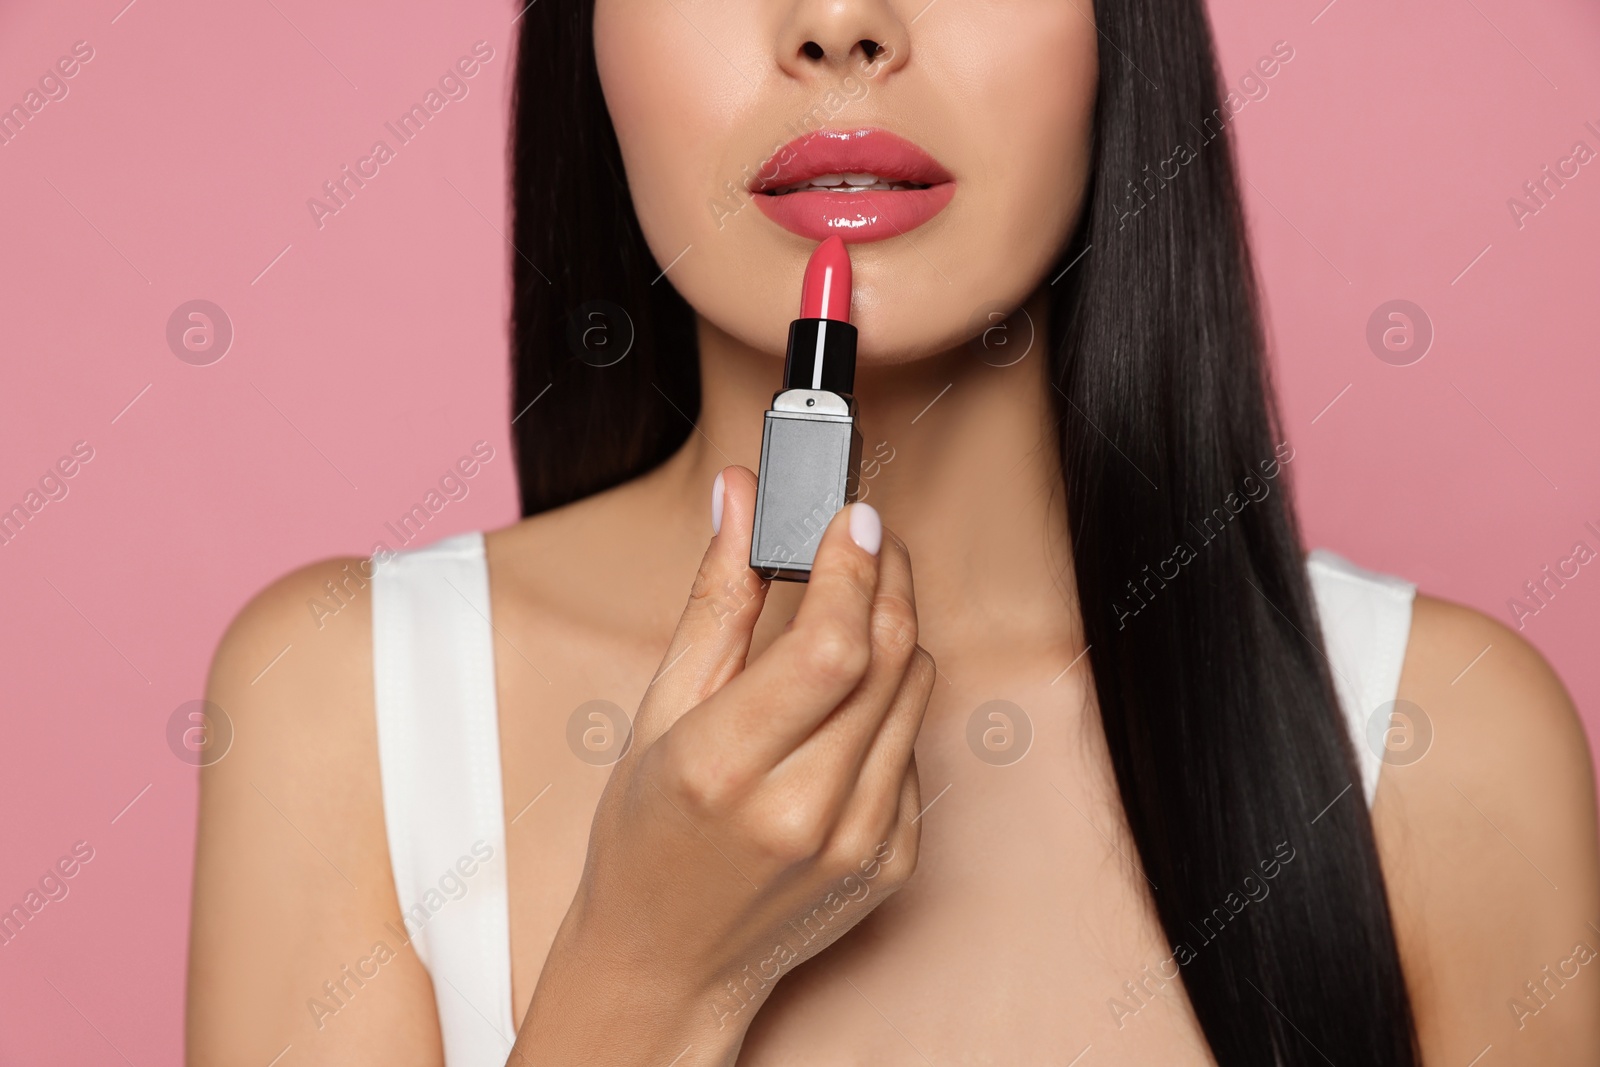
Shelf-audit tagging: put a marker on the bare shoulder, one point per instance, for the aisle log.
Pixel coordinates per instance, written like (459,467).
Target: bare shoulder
(292,883)
(1489,846)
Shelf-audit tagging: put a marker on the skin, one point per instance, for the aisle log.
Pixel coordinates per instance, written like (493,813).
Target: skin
(800,730)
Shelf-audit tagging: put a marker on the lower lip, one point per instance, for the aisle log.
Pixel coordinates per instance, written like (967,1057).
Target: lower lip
(856,217)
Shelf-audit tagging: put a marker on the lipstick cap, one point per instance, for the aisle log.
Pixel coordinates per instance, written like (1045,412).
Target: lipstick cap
(822,355)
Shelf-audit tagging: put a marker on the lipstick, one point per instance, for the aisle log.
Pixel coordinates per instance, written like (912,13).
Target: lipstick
(810,443)
(825,291)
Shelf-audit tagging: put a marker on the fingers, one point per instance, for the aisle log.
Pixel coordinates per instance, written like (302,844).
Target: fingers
(844,574)
(908,820)
(880,790)
(712,640)
(811,668)
(830,759)
(885,810)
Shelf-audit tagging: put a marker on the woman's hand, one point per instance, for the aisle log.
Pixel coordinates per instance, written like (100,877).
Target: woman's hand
(760,812)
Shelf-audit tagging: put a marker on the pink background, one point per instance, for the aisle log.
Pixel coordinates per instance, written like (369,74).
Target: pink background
(369,355)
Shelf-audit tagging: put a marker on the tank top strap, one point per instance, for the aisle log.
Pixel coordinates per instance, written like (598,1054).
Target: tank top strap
(1366,625)
(439,755)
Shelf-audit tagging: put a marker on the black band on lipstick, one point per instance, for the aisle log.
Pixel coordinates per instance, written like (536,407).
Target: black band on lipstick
(825,343)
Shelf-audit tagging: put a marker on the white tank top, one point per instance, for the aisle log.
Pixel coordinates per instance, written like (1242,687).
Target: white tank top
(439,754)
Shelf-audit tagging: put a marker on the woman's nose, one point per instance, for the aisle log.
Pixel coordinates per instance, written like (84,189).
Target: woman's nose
(829,36)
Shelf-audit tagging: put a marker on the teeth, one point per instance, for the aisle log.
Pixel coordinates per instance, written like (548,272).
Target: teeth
(847,183)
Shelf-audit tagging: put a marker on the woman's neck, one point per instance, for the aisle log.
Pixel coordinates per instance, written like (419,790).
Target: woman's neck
(960,458)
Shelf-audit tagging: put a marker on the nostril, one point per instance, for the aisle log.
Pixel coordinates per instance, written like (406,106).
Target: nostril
(871,49)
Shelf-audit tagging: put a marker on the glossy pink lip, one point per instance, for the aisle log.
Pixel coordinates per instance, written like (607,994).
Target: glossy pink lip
(856,217)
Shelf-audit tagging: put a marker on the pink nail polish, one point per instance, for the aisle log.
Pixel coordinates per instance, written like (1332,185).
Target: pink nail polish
(717,489)
(866,527)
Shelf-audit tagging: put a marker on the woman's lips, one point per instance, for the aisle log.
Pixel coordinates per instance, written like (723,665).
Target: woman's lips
(856,217)
(900,187)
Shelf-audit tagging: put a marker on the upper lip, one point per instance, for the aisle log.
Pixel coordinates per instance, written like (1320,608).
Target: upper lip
(861,151)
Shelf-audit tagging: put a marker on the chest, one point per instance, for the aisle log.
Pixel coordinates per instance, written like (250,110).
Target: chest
(1024,936)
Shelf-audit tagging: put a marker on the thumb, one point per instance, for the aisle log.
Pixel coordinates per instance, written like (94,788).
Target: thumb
(712,641)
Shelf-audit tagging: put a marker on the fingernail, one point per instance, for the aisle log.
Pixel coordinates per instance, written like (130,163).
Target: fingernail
(866,528)
(717,488)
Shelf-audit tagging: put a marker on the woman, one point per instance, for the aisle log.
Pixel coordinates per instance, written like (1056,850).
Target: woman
(438,836)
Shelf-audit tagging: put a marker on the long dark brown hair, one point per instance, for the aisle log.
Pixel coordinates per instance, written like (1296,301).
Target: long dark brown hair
(1213,687)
